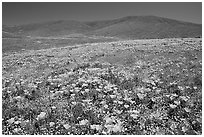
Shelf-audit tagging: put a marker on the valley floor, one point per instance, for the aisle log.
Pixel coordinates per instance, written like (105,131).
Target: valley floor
(135,87)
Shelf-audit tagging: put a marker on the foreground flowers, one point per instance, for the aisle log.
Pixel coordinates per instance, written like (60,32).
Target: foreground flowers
(153,95)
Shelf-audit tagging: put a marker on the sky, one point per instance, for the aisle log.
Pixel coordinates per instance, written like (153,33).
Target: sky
(17,13)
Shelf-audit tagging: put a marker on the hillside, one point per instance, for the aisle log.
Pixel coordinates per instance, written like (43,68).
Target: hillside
(54,28)
(131,27)
(142,27)
(130,87)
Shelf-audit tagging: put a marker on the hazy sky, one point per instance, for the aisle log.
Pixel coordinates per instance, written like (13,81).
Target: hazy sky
(22,13)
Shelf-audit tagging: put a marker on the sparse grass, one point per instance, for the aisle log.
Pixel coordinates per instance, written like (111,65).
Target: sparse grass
(19,44)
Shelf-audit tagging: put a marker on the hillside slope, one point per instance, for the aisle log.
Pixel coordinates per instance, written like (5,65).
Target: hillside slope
(130,87)
(131,27)
(55,28)
(139,27)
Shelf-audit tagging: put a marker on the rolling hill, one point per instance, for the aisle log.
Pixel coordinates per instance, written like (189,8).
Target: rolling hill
(45,29)
(142,27)
(131,27)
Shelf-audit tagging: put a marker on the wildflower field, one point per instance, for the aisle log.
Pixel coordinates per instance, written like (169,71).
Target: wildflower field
(134,87)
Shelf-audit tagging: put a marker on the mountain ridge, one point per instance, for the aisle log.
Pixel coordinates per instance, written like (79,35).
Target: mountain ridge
(129,27)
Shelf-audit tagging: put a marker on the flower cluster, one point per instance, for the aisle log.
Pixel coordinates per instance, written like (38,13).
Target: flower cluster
(128,88)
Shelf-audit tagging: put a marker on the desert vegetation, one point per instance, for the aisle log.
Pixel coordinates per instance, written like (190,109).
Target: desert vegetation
(132,87)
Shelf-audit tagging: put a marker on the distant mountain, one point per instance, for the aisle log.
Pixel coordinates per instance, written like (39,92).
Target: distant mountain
(139,27)
(131,27)
(55,28)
